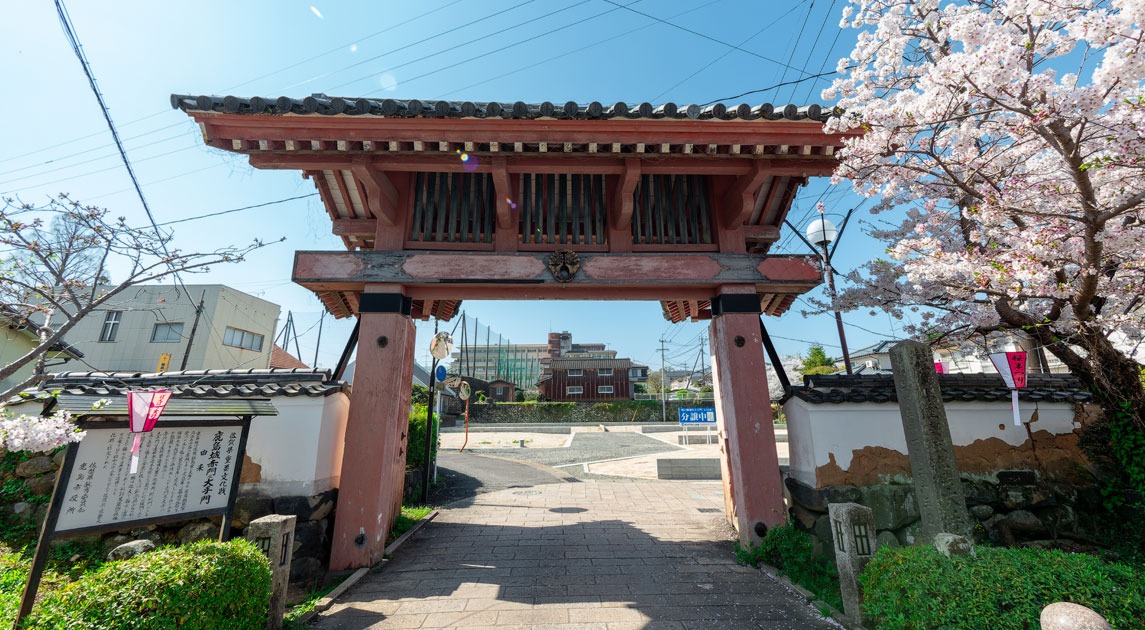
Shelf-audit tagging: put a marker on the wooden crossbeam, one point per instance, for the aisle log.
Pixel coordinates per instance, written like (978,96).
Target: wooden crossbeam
(740,198)
(509,273)
(382,197)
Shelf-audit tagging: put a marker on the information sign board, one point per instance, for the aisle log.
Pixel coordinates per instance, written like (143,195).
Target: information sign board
(183,471)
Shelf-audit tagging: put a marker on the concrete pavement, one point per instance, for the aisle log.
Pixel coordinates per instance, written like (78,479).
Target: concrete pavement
(598,554)
(642,466)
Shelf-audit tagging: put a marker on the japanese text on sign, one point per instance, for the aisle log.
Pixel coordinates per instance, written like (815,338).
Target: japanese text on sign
(697,415)
(182,470)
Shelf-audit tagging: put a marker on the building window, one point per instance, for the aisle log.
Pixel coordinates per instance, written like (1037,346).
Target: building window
(604,372)
(576,373)
(500,391)
(110,325)
(604,389)
(573,390)
(242,339)
(167,332)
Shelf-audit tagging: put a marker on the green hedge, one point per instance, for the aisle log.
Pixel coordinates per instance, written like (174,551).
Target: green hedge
(204,585)
(593,412)
(919,588)
(415,440)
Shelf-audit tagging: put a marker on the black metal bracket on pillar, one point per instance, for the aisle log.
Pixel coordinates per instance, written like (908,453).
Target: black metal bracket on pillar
(776,364)
(385,303)
(736,303)
(351,343)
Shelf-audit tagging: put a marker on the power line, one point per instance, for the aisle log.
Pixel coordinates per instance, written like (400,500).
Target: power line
(571,52)
(791,52)
(827,57)
(513,45)
(95,172)
(699,34)
(232,210)
(726,53)
(822,25)
(342,47)
(65,22)
(97,148)
(407,46)
(280,70)
(770,87)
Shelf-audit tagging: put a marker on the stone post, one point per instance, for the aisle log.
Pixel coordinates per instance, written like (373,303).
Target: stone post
(1069,616)
(853,528)
(274,535)
(936,483)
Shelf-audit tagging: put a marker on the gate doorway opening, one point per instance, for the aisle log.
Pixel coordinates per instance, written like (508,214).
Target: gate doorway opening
(446,201)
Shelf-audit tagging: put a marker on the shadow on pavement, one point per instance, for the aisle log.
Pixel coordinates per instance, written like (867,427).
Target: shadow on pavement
(591,573)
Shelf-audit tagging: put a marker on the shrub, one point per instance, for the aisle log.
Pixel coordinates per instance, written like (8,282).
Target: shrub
(917,587)
(415,438)
(792,552)
(202,585)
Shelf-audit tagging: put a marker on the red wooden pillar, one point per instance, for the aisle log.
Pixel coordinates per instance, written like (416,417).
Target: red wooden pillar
(753,488)
(373,460)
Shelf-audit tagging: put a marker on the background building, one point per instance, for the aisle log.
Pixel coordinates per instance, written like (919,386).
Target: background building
(579,379)
(156,328)
(18,337)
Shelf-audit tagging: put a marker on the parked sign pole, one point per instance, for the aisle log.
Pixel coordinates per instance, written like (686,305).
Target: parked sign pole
(439,348)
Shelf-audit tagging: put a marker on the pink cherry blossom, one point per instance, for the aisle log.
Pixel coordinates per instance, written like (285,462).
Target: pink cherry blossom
(1012,133)
(37,434)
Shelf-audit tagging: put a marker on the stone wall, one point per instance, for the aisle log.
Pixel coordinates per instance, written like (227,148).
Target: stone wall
(1008,507)
(589,412)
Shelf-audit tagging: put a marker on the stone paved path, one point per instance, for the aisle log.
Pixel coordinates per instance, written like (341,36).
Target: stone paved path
(597,554)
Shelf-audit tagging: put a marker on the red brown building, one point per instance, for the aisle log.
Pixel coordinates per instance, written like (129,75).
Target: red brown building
(501,390)
(586,380)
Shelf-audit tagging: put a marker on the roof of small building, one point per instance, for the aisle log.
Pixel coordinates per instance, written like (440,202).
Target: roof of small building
(882,347)
(280,358)
(238,383)
(880,388)
(324,105)
(21,323)
(580,364)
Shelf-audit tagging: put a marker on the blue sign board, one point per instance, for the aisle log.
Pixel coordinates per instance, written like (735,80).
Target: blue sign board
(697,415)
(440,373)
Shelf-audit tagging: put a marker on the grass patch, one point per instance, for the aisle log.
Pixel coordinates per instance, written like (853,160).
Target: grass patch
(292,620)
(791,551)
(409,516)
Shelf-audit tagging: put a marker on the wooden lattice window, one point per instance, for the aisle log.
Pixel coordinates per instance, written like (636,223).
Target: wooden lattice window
(671,210)
(453,208)
(564,209)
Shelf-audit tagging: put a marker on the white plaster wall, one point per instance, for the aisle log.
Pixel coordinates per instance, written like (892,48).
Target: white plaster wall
(815,432)
(300,449)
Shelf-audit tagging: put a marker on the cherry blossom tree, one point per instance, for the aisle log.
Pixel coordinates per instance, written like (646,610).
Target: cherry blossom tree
(59,259)
(1012,134)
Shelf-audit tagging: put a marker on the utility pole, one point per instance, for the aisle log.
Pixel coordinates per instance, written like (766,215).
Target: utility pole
(703,365)
(429,418)
(663,385)
(317,345)
(194,327)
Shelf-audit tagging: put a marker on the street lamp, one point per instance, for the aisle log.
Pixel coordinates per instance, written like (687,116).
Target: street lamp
(821,232)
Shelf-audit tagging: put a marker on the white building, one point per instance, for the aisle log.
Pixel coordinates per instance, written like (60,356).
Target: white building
(156,328)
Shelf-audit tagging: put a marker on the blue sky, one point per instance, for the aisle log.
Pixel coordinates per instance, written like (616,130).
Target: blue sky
(685,51)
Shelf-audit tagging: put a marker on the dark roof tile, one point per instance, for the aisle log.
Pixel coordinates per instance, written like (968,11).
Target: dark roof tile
(323,105)
(879,388)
